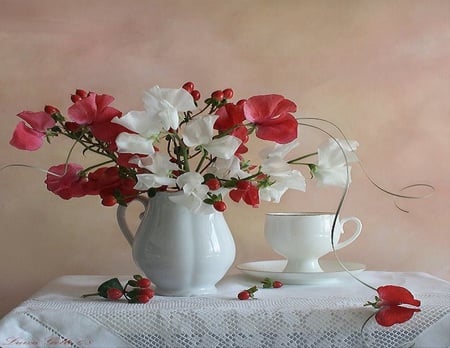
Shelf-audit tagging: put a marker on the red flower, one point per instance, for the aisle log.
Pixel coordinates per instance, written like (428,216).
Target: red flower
(246,191)
(391,295)
(230,115)
(271,116)
(107,183)
(65,181)
(390,315)
(30,135)
(93,111)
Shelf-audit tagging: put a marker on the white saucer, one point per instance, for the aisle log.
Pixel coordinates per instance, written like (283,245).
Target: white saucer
(332,271)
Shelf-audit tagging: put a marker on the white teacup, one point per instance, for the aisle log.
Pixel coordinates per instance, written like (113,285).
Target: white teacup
(305,237)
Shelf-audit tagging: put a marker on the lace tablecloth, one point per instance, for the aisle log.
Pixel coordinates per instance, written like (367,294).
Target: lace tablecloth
(330,315)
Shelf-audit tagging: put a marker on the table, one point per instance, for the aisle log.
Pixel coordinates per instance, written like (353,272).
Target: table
(328,315)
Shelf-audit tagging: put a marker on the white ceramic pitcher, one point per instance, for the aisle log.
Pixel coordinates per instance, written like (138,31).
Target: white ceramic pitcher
(183,253)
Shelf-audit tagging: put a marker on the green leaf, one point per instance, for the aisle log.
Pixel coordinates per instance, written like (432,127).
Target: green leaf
(112,283)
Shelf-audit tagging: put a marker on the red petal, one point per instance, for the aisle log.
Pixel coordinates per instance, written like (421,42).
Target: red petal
(390,315)
(84,111)
(236,195)
(282,129)
(25,138)
(396,295)
(261,107)
(66,183)
(39,121)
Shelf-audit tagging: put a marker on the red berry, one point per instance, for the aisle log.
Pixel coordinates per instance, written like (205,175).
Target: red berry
(114,293)
(144,283)
(81,93)
(228,93)
(50,109)
(195,94)
(109,201)
(142,298)
(220,206)
(244,295)
(217,95)
(213,184)
(277,284)
(148,292)
(75,98)
(189,86)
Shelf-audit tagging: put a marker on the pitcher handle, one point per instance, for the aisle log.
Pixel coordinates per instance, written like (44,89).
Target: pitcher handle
(355,234)
(122,221)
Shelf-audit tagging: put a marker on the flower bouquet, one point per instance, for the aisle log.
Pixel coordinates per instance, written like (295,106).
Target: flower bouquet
(176,145)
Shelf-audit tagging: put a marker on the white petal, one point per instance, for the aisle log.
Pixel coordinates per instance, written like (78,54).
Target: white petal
(279,150)
(199,131)
(336,176)
(224,147)
(146,181)
(134,143)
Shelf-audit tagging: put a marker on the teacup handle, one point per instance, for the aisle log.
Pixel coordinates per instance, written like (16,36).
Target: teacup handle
(355,234)
(122,221)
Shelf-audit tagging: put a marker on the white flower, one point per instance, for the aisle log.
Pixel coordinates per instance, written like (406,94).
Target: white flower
(160,167)
(227,168)
(280,173)
(162,106)
(331,166)
(194,193)
(200,131)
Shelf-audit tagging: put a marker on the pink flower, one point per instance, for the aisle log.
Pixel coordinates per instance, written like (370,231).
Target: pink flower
(94,111)
(390,315)
(392,295)
(64,180)
(271,116)
(30,135)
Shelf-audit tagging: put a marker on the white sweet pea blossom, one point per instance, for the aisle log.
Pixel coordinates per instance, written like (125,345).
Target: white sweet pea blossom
(227,168)
(194,193)
(160,167)
(162,107)
(200,131)
(164,104)
(281,173)
(331,167)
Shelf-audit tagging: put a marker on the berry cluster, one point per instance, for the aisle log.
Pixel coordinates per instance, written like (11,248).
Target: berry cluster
(267,284)
(112,289)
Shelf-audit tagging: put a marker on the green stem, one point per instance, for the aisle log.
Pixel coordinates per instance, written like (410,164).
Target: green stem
(302,157)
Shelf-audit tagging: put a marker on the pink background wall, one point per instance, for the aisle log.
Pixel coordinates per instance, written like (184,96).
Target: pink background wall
(379,69)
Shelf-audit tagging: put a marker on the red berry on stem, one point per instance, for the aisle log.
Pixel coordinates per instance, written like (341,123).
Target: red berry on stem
(244,295)
(228,93)
(142,298)
(189,86)
(213,184)
(50,109)
(114,293)
(217,95)
(144,283)
(109,201)
(220,206)
(75,98)
(195,94)
(81,93)
(148,292)
(277,284)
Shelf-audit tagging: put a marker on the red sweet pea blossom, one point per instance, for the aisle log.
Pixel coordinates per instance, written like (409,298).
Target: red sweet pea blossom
(29,135)
(107,183)
(392,295)
(271,114)
(246,191)
(93,111)
(390,315)
(64,180)
(231,118)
